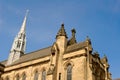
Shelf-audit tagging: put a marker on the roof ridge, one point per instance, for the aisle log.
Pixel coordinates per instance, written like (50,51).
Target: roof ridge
(36,51)
(76,44)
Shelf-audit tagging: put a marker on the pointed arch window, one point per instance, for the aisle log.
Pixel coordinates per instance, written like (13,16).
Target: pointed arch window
(20,36)
(44,75)
(17,77)
(24,77)
(69,72)
(36,75)
(18,44)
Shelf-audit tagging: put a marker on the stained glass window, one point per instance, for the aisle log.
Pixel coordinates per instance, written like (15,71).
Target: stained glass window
(17,77)
(36,75)
(69,72)
(24,77)
(44,75)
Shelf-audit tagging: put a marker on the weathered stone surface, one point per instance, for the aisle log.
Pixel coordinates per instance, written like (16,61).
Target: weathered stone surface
(55,60)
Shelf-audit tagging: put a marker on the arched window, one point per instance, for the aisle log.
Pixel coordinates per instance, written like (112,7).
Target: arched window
(18,44)
(36,75)
(17,77)
(69,72)
(24,76)
(44,75)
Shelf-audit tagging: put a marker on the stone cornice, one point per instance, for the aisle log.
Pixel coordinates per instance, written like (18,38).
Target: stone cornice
(75,54)
(26,64)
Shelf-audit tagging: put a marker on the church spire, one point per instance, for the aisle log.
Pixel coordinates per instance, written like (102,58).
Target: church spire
(23,27)
(19,44)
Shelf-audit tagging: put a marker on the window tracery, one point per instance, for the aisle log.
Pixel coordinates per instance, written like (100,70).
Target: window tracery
(17,77)
(44,75)
(36,75)
(69,72)
(24,76)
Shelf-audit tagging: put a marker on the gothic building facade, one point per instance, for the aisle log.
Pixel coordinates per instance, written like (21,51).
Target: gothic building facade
(65,59)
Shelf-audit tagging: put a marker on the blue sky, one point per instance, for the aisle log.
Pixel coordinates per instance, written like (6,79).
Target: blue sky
(98,19)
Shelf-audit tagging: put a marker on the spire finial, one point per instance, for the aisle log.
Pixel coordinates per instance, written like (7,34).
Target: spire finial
(88,40)
(73,32)
(61,32)
(27,11)
(24,22)
(72,39)
(62,25)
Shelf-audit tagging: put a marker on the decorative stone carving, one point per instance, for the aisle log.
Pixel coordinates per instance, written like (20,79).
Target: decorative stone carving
(62,31)
(51,69)
(73,39)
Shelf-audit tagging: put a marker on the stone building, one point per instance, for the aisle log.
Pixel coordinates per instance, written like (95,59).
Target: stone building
(65,59)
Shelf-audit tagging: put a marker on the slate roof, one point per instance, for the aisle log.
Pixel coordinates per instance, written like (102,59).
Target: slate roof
(32,56)
(3,62)
(76,46)
(45,52)
(1,65)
